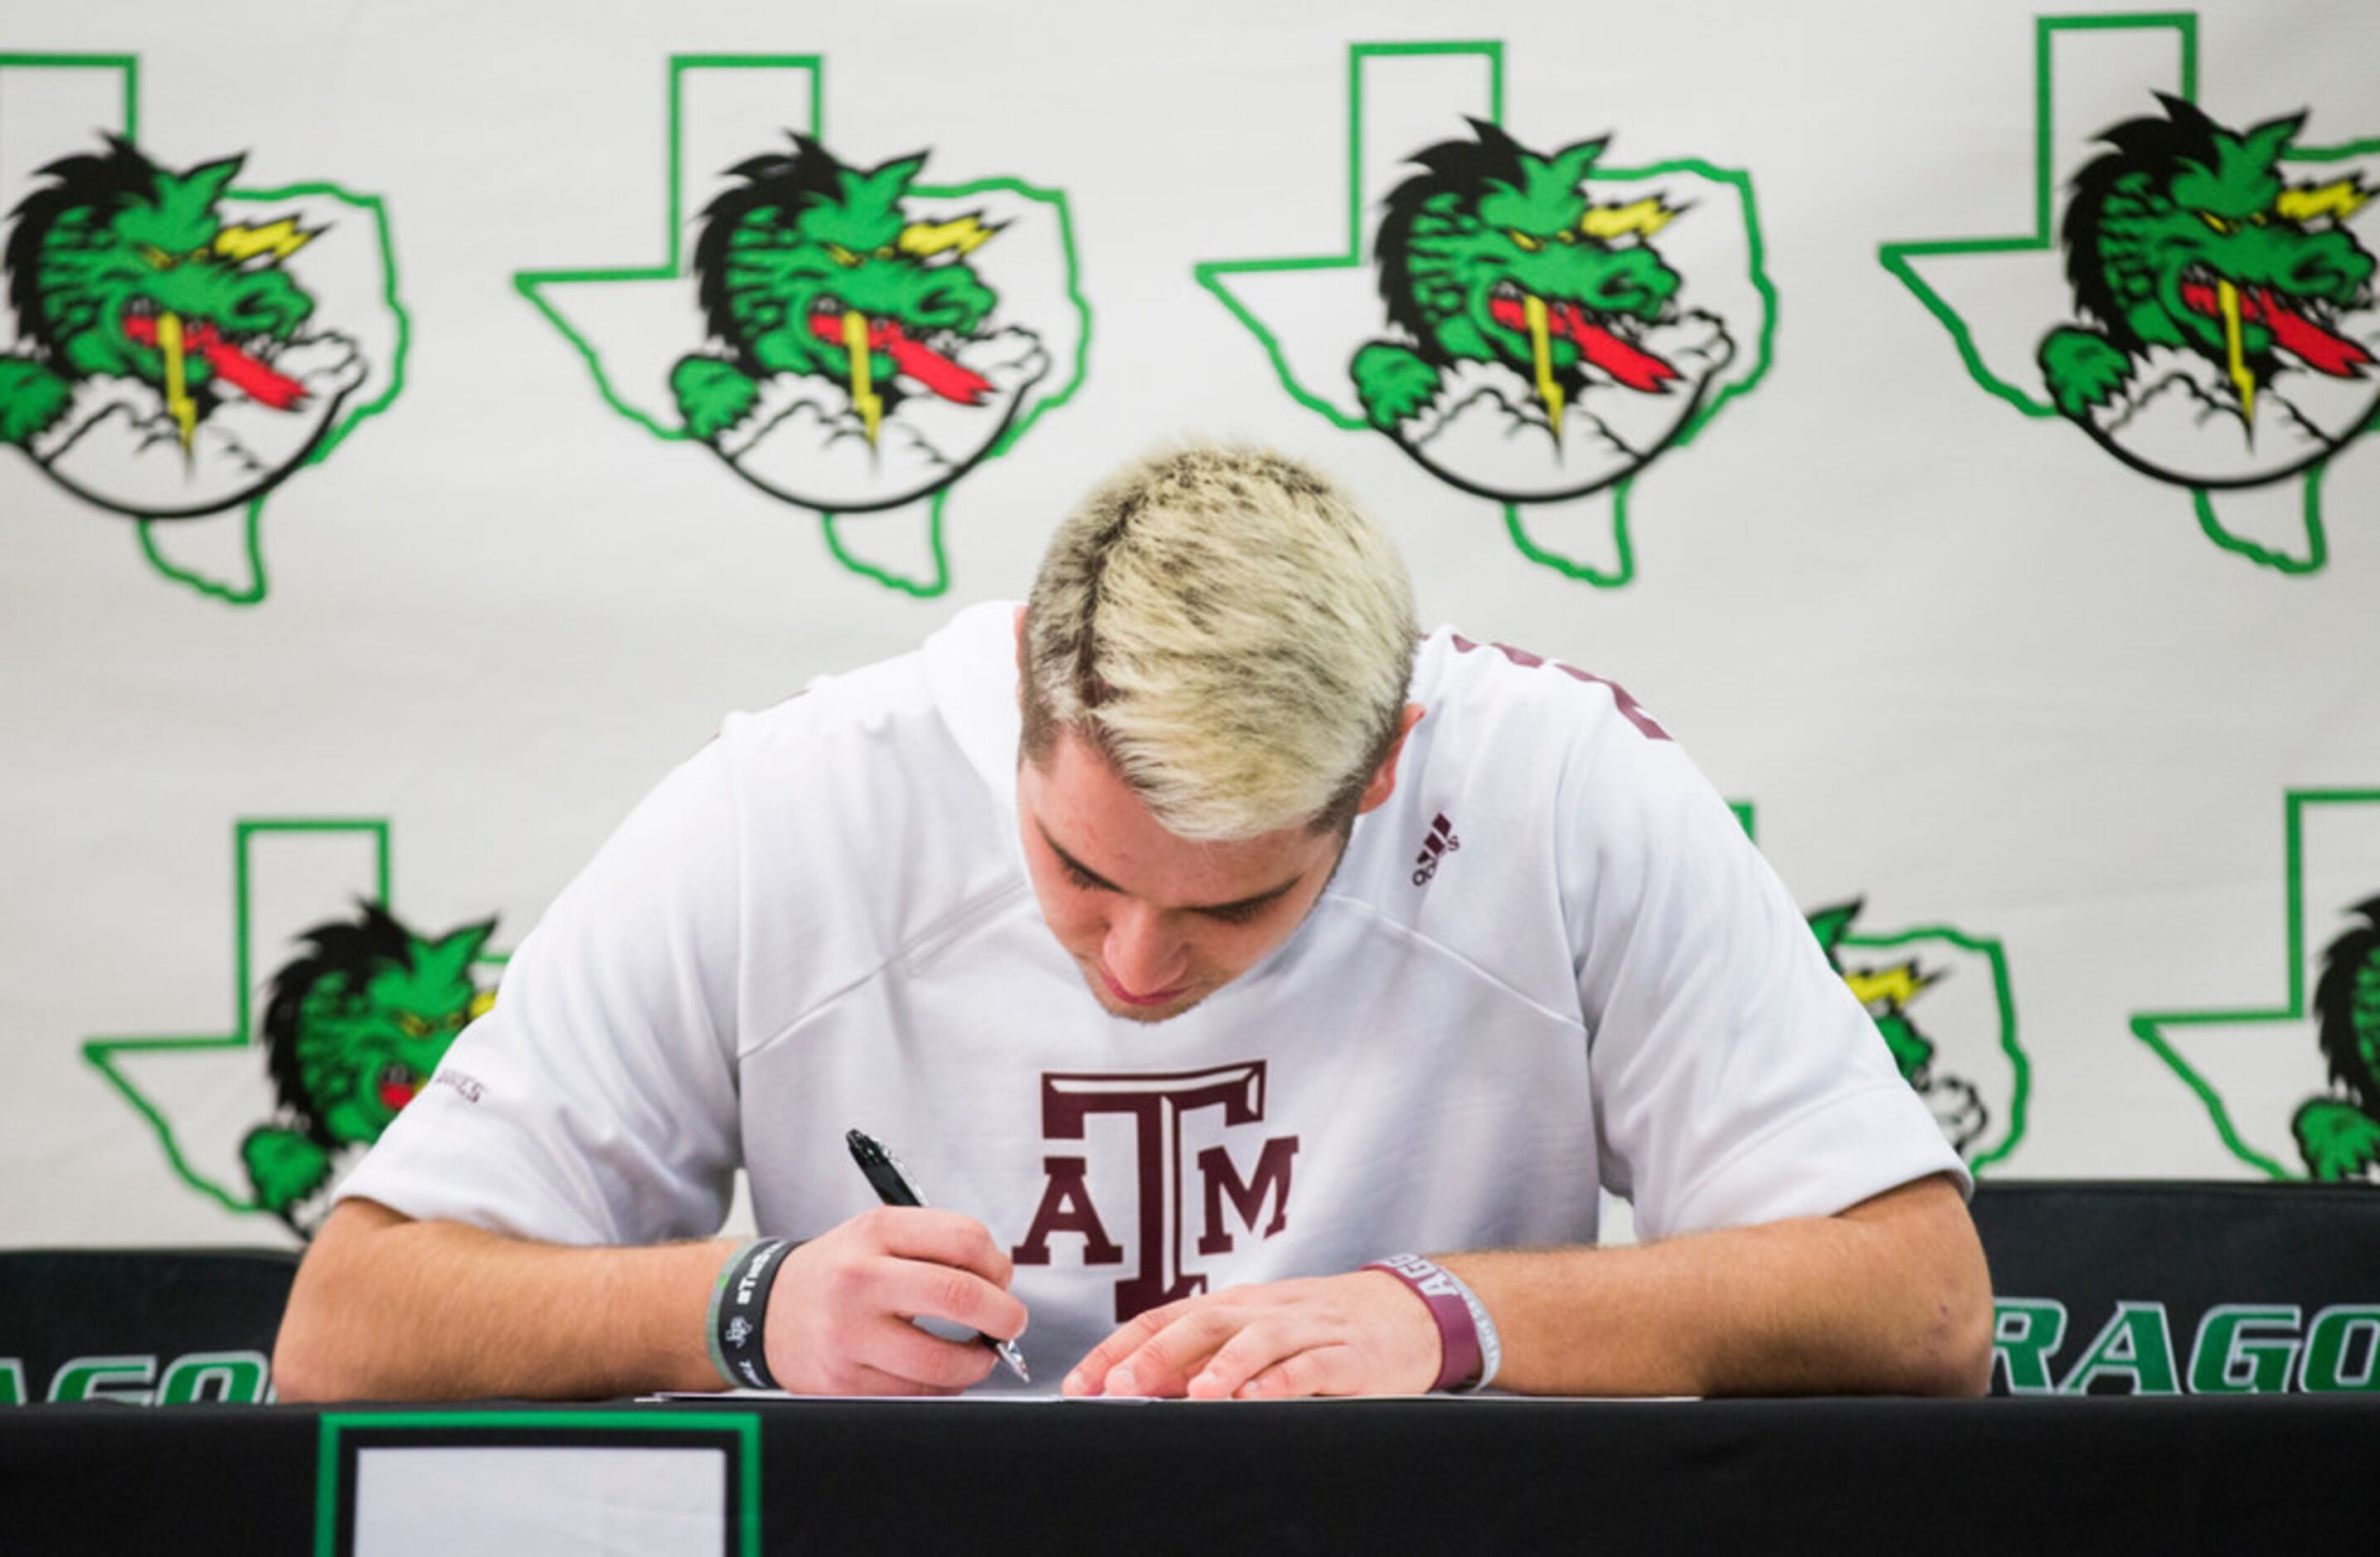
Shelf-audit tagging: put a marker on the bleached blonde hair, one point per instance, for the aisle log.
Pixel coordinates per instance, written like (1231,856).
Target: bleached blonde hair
(1226,628)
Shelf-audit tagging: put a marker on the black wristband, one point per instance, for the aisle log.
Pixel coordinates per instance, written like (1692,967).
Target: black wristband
(739,1311)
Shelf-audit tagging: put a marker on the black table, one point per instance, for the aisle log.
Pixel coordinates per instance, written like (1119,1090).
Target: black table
(2241,1474)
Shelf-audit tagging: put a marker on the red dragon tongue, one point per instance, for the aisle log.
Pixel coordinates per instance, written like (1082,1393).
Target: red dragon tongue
(914,359)
(397,1094)
(2308,342)
(939,373)
(1638,370)
(277,392)
(2293,331)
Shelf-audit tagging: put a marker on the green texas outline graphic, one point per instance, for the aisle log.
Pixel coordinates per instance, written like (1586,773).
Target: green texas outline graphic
(2139,73)
(1948,1070)
(817,242)
(1316,331)
(67,404)
(2259,1071)
(389,1005)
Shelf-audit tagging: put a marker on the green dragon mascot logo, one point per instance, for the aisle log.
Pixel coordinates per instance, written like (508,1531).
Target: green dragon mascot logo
(2291,1083)
(2195,297)
(848,339)
(1535,329)
(2340,1135)
(173,361)
(354,1028)
(2228,326)
(1544,351)
(857,361)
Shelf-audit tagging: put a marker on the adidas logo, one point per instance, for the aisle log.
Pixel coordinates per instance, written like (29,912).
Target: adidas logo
(1440,842)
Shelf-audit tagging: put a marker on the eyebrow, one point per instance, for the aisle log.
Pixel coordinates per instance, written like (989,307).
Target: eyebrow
(1243,905)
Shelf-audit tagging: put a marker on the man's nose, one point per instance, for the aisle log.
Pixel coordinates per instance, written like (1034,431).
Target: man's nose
(1142,952)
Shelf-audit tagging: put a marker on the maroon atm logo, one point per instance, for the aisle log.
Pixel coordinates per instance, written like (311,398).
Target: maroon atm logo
(1157,1103)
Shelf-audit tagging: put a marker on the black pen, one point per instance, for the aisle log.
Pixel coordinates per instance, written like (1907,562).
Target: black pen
(893,1186)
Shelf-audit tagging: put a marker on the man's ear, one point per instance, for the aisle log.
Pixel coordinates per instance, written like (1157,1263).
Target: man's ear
(1383,782)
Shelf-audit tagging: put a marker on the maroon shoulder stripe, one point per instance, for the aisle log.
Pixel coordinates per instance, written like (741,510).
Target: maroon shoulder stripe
(1629,709)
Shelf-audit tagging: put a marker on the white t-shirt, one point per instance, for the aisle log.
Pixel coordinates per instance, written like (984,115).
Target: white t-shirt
(1550,961)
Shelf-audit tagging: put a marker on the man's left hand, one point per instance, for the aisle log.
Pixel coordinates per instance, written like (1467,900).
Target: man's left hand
(1360,1334)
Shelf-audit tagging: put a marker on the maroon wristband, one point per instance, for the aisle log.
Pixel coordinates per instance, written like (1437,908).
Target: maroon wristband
(1458,1334)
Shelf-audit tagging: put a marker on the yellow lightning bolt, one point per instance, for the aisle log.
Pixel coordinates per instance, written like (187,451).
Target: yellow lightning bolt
(1645,217)
(2227,297)
(2340,199)
(925,239)
(178,391)
(863,391)
(1896,986)
(1541,345)
(281,239)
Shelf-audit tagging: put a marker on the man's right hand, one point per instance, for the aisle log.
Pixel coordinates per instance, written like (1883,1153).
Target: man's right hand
(839,1316)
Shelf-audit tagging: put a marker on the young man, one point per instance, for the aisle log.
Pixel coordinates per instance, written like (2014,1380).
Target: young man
(1200,936)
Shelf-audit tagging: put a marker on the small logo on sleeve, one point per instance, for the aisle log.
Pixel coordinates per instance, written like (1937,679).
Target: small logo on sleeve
(1440,843)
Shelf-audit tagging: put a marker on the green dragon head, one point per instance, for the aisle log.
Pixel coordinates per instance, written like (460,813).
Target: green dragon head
(2338,1132)
(811,267)
(119,268)
(2185,236)
(2347,1001)
(1494,253)
(355,1027)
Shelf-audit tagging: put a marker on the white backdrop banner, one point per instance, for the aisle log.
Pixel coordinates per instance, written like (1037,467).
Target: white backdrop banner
(424,421)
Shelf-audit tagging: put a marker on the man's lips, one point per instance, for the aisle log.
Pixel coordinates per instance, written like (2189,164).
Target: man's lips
(1163,997)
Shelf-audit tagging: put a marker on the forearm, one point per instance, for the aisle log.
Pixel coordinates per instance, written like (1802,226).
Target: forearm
(1891,1296)
(387,1308)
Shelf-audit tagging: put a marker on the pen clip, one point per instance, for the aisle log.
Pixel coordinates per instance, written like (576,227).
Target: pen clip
(900,1171)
